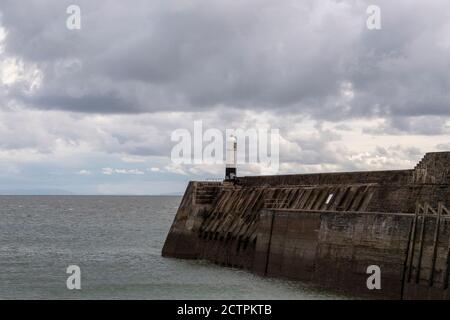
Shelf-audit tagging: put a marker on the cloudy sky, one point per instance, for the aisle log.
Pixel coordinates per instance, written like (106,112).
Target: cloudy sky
(91,111)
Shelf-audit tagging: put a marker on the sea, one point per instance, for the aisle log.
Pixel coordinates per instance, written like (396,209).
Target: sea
(116,242)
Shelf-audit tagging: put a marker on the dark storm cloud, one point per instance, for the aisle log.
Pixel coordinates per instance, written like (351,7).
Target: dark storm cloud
(310,57)
(108,103)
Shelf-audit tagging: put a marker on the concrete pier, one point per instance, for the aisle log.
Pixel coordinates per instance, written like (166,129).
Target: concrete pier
(327,228)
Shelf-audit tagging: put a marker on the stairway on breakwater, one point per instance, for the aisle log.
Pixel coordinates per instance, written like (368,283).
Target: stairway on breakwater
(206,192)
(433,168)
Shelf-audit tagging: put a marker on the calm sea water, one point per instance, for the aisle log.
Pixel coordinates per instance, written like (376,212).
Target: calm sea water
(117,242)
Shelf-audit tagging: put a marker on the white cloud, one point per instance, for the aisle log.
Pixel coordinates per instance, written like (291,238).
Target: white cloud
(110,171)
(15,71)
(84,172)
(176,168)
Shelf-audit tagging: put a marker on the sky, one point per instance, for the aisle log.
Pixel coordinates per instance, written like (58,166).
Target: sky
(92,110)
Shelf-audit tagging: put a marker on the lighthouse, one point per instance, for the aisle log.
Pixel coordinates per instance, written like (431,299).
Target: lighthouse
(230,163)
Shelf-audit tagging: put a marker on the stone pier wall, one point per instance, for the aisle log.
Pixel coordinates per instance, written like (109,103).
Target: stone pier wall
(326,229)
(334,249)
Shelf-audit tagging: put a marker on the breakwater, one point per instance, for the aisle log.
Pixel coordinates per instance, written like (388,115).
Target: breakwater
(327,228)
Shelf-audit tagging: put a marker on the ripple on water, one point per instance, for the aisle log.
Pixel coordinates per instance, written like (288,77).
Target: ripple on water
(117,243)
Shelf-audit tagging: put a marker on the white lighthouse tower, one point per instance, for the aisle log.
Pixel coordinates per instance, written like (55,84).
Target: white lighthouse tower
(230,163)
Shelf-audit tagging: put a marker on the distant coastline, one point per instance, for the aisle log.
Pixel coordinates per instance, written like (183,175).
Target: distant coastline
(56,192)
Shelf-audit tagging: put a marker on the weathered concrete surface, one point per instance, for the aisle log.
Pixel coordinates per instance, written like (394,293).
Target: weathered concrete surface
(326,228)
(334,249)
(182,240)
